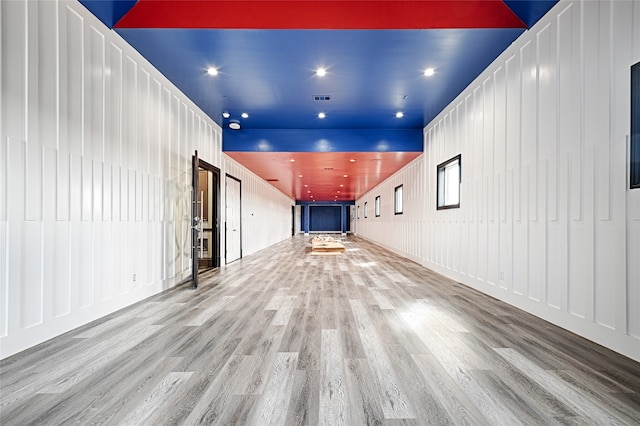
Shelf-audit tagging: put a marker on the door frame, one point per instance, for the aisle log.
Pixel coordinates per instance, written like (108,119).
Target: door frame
(197,164)
(226,233)
(216,211)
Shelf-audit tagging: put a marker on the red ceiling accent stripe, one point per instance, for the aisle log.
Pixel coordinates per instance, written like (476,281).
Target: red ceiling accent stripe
(314,14)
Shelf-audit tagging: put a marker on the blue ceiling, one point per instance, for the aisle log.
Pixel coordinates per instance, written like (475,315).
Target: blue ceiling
(267,51)
(370,74)
(269,72)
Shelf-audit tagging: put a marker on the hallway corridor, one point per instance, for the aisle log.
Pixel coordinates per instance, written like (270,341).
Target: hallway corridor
(284,337)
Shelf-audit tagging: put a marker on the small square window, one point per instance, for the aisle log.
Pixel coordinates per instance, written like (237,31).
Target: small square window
(397,200)
(377,206)
(449,178)
(365,209)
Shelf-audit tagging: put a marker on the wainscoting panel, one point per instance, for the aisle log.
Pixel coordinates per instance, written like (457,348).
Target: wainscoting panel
(546,221)
(95,166)
(266,212)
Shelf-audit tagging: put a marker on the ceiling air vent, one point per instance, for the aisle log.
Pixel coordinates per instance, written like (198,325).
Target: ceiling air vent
(328,168)
(272,180)
(321,97)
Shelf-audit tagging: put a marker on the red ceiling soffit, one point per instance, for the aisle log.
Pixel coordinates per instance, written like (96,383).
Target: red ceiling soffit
(324,176)
(313,14)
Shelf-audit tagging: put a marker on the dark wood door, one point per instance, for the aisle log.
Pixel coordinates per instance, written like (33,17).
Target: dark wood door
(195,219)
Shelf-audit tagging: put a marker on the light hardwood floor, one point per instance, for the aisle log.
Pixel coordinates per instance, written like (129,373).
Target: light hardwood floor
(284,337)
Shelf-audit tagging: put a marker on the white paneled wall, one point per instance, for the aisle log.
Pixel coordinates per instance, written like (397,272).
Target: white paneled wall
(546,221)
(266,212)
(95,174)
(391,230)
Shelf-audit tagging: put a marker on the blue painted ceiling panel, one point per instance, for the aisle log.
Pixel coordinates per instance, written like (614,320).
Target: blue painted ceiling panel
(530,11)
(375,58)
(109,12)
(323,140)
(269,74)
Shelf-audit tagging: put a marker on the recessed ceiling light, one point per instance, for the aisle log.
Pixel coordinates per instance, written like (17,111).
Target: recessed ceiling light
(306,186)
(212,71)
(226,114)
(338,192)
(321,115)
(341,185)
(293,160)
(234,124)
(299,176)
(353,160)
(429,72)
(308,192)
(321,72)
(399,114)
(345,175)
(244,115)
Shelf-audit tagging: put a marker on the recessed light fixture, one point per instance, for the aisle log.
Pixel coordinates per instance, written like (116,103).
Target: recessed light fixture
(353,160)
(234,124)
(345,175)
(244,115)
(429,72)
(299,176)
(321,72)
(341,185)
(399,114)
(226,114)
(321,115)
(293,160)
(212,71)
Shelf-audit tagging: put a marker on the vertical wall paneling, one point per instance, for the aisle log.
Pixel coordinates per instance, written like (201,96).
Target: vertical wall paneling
(86,188)
(94,94)
(113,105)
(129,112)
(108,143)
(544,208)
(570,76)
(72,76)
(33,180)
(14,59)
(15,213)
(29,260)
(626,19)
(266,212)
(75,187)
(547,126)
(602,111)
(57,270)
(98,190)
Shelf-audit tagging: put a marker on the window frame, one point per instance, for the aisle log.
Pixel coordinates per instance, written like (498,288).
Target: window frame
(441,174)
(395,199)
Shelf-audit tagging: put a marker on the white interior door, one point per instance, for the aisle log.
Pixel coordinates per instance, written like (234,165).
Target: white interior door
(233,230)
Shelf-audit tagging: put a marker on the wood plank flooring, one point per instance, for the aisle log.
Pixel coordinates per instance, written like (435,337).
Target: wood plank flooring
(282,337)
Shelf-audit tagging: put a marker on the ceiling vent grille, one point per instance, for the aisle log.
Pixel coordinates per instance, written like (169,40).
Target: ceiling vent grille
(321,97)
(272,180)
